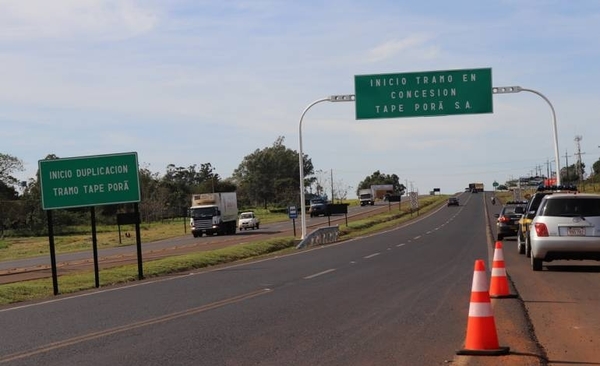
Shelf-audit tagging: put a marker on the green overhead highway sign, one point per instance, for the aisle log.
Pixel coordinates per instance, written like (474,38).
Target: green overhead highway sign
(422,94)
(89,181)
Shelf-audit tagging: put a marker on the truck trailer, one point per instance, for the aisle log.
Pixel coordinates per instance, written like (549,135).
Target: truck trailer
(213,213)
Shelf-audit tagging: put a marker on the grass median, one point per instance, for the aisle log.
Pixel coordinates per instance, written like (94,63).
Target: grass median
(72,283)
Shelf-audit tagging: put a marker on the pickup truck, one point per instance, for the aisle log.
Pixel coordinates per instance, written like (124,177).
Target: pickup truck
(248,220)
(318,207)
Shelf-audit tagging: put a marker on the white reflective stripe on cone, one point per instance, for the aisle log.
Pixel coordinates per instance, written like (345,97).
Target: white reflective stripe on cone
(480,283)
(498,272)
(480,310)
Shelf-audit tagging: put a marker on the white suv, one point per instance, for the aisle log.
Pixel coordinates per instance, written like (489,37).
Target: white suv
(566,226)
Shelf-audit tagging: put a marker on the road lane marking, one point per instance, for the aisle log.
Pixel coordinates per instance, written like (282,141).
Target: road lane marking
(124,328)
(319,274)
(417,237)
(372,255)
(401,244)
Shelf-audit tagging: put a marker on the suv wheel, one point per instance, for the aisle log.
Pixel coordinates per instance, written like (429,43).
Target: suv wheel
(536,263)
(527,247)
(520,243)
(500,237)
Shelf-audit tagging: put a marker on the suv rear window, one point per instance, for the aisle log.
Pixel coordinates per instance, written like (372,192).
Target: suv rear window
(571,206)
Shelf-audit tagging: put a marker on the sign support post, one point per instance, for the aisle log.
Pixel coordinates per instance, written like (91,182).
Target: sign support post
(333,98)
(517,89)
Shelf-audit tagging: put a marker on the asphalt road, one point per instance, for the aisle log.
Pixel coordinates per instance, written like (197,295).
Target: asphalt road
(396,298)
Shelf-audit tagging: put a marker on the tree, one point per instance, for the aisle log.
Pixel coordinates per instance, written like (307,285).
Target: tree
(270,176)
(340,191)
(377,178)
(572,173)
(8,165)
(596,167)
(320,181)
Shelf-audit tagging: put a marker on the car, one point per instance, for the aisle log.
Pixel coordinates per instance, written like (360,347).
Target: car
(318,207)
(534,202)
(453,201)
(567,226)
(248,220)
(507,221)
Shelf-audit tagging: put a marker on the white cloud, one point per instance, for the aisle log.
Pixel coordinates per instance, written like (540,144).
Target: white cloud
(393,48)
(64,19)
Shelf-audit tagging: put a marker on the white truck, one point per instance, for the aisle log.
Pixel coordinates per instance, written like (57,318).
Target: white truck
(248,220)
(366,197)
(213,213)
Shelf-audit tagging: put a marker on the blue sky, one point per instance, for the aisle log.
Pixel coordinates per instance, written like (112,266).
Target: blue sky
(193,82)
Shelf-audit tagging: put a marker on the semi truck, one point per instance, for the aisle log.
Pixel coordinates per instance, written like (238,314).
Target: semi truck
(366,197)
(213,213)
(475,187)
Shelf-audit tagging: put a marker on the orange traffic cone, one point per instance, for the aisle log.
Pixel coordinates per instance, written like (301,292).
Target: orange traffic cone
(482,338)
(499,282)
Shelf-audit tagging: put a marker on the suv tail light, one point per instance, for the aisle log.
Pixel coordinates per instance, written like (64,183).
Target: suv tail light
(541,229)
(503,219)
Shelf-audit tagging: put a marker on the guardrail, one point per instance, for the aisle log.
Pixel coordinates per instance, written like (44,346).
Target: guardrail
(323,235)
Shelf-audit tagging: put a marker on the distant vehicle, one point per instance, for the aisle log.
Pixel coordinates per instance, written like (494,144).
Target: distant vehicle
(318,207)
(248,220)
(366,197)
(453,201)
(380,190)
(566,227)
(507,221)
(476,187)
(213,213)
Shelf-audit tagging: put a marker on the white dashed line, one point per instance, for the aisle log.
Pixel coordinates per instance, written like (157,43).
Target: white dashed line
(318,274)
(372,255)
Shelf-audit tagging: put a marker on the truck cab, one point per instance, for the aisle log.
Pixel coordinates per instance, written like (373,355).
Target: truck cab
(213,213)
(365,197)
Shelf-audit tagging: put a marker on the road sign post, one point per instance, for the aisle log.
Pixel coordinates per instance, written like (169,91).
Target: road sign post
(422,94)
(293,214)
(89,181)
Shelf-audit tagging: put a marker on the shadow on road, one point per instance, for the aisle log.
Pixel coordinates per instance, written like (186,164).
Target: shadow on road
(573,268)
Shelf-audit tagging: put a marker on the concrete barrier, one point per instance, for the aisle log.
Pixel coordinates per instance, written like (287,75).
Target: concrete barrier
(323,235)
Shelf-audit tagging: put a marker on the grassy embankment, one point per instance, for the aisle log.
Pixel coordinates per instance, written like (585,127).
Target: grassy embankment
(13,248)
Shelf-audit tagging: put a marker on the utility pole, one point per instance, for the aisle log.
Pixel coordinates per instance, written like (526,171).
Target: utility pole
(578,139)
(332,197)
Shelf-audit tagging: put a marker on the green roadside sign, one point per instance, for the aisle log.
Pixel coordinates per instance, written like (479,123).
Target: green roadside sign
(89,181)
(422,94)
